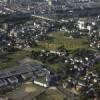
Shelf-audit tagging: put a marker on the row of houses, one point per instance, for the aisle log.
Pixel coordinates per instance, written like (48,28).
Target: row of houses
(26,72)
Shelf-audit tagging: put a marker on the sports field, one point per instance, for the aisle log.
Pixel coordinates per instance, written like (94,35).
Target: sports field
(25,92)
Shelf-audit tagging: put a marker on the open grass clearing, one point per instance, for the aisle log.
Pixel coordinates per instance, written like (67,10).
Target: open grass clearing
(12,59)
(51,94)
(69,43)
(26,92)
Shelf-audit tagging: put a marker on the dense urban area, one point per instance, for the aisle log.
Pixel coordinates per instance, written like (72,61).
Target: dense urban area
(49,49)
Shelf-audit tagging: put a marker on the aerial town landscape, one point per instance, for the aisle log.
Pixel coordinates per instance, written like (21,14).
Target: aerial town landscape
(49,49)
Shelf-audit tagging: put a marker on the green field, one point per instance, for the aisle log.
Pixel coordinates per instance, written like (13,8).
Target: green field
(10,60)
(69,43)
(50,95)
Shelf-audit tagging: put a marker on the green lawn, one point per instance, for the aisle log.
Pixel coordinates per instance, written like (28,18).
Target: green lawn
(50,95)
(59,40)
(69,43)
(12,59)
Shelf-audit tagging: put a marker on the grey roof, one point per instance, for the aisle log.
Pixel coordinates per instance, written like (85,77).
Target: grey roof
(23,69)
(17,70)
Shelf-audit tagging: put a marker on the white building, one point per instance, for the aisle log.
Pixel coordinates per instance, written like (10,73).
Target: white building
(81,25)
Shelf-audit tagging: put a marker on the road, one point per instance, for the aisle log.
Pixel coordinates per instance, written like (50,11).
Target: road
(45,18)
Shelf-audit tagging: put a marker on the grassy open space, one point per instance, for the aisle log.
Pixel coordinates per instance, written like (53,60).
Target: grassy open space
(25,92)
(50,95)
(59,40)
(69,43)
(12,59)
